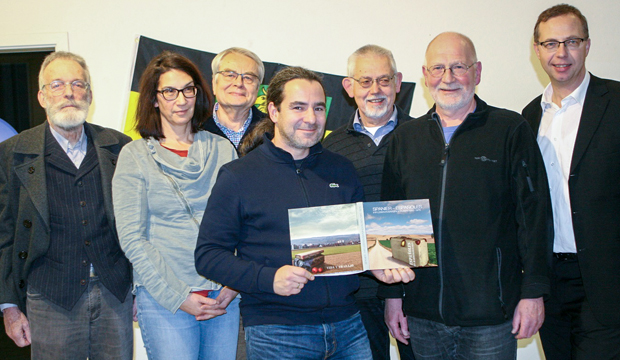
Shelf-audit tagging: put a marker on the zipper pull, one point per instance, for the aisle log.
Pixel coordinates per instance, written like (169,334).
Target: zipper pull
(444,156)
(527,176)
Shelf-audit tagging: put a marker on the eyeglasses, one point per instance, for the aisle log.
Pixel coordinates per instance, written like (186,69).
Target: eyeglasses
(230,76)
(172,93)
(458,69)
(553,45)
(367,82)
(57,87)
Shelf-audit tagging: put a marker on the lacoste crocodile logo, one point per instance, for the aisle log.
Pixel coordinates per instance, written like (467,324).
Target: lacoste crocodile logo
(484,158)
(334,185)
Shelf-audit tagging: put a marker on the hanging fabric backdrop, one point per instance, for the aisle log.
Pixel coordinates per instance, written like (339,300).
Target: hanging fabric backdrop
(339,105)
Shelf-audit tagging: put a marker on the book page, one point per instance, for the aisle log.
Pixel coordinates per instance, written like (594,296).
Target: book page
(325,240)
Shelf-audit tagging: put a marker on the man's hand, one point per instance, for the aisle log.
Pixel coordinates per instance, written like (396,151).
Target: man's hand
(528,318)
(17,326)
(202,307)
(396,321)
(289,280)
(390,276)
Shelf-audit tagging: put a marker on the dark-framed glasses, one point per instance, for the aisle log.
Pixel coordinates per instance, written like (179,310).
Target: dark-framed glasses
(367,82)
(553,45)
(57,87)
(230,76)
(171,93)
(458,69)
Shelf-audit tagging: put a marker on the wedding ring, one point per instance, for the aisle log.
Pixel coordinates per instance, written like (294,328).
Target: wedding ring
(298,285)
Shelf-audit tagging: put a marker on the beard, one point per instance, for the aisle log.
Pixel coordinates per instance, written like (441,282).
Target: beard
(297,141)
(67,118)
(374,112)
(453,103)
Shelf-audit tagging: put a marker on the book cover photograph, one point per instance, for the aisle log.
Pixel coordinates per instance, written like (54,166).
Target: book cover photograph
(351,238)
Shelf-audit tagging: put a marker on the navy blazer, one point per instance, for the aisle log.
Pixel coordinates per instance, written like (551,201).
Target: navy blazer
(594,190)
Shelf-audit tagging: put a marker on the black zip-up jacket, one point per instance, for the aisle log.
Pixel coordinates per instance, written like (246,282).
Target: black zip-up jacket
(248,211)
(491,215)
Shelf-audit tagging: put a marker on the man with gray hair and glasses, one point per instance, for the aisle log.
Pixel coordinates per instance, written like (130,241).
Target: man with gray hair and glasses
(373,82)
(237,76)
(577,120)
(64,280)
(482,171)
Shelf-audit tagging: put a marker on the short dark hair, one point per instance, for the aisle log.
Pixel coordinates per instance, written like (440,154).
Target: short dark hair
(275,91)
(559,10)
(148,119)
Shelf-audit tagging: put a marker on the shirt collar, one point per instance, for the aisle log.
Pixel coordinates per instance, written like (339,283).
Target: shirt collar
(221,126)
(64,143)
(578,95)
(357,123)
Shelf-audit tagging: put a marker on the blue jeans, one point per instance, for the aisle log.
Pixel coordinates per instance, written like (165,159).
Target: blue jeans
(431,340)
(98,327)
(180,336)
(341,340)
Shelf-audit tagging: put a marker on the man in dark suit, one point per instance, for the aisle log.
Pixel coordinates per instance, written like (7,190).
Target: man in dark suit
(64,281)
(577,121)
(373,82)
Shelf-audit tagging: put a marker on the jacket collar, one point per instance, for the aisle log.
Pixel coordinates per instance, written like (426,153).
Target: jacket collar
(481,109)
(32,142)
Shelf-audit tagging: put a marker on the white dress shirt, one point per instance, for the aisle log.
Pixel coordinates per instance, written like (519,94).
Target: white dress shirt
(556,138)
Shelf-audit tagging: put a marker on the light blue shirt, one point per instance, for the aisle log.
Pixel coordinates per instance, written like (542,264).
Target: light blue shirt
(381,132)
(233,136)
(76,152)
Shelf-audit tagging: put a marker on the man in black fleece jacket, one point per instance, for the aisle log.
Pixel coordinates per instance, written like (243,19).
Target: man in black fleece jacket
(481,169)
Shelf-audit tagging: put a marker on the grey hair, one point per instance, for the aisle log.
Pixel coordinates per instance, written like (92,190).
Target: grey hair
(370,50)
(215,64)
(65,55)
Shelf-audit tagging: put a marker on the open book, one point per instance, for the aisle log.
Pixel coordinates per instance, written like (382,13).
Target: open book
(351,238)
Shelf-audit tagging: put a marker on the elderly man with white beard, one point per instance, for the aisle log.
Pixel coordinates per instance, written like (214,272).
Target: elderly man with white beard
(64,281)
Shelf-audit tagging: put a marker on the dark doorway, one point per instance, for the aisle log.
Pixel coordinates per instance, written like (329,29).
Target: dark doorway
(19,84)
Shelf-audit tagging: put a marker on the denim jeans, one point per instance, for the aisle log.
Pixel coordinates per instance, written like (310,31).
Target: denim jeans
(98,327)
(345,339)
(431,340)
(180,336)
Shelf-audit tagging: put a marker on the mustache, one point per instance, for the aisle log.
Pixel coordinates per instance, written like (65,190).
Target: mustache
(309,127)
(376,98)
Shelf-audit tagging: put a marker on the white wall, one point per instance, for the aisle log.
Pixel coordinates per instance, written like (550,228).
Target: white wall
(318,34)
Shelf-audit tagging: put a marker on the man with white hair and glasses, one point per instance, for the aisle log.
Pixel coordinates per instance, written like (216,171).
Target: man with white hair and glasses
(237,76)
(64,280)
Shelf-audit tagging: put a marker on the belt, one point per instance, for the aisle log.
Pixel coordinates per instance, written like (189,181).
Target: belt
(565,256)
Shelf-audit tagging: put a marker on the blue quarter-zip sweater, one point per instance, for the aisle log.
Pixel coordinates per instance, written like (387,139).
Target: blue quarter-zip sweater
(248,212)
